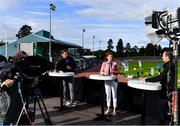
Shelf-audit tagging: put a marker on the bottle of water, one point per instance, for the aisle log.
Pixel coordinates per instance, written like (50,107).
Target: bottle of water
(152,71)
(1,121)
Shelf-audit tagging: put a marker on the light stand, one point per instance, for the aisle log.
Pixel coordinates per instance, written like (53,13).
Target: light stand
(93,50)
(175,93)
(52,7)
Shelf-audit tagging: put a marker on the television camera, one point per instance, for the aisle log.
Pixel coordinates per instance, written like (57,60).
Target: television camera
(163,24)
(27,68)
(26,72)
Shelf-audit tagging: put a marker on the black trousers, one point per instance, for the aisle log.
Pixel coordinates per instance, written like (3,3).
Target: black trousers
(14,108)
(163,111)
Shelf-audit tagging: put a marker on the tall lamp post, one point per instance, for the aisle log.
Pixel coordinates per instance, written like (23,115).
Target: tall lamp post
(83,30)
(6,42)
(4,27)
(93,47)
(99,45)
(99,50)
(51,7)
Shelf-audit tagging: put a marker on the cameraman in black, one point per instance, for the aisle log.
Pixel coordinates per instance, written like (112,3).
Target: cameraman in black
(10,85)
(4,68)
(167,80)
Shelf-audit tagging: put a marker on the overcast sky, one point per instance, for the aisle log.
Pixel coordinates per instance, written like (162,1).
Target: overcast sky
(103,19)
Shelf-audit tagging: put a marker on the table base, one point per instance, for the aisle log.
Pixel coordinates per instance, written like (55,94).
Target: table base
(60,109)
(143,114)
(102,117)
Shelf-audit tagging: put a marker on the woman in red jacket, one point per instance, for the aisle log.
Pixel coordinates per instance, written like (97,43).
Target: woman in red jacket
(110,67)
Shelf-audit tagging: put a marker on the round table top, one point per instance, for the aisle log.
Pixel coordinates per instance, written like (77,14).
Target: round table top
(61,74)
(101,77)
(139,84)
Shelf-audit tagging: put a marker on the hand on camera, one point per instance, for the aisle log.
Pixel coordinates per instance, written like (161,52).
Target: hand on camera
(8,82)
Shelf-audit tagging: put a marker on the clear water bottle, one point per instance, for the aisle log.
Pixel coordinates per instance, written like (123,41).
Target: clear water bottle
(1,121)
(152,71)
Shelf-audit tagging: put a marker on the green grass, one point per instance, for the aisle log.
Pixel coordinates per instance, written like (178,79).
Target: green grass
(144,71)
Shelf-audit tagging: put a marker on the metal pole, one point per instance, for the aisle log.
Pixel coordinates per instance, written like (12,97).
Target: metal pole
(6,43)
(99,45)
(93,47)
(83,30)
(50,35)
(99,50)
(175,94)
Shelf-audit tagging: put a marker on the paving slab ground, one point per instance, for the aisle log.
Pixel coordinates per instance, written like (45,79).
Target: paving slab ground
(84,113)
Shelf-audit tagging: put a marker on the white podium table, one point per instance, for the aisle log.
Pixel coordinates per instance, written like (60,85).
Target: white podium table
(61,75)
(102,78)
(138,84)
(144,86)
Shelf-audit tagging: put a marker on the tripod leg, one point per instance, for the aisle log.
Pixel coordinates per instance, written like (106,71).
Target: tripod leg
(34,109)
(38,99)
(23,107)
(24,110)
(20,116)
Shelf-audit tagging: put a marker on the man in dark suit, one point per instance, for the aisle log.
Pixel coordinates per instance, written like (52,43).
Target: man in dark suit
(167,80)
(67,64)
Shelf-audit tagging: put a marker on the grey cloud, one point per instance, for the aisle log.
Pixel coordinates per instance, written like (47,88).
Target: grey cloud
(118,9)
(7,5)
(69,29)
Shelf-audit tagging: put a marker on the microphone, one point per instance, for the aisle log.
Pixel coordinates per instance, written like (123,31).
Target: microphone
(110,67)
(111,63)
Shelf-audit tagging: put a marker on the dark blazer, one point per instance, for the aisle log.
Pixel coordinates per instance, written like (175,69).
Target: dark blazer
(166,78)
(69,61)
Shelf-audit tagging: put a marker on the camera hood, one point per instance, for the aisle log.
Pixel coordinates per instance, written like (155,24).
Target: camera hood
(32,66)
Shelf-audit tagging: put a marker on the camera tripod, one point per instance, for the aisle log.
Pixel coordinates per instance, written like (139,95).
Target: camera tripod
(37,97)
(35,93)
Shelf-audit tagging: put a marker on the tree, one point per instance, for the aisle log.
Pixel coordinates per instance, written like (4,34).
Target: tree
(134,51)
(2,43)
(120,48)
(24,31)
(142,51)
(159,49)
(110,46)
(136,48)
(149,50)
(127,49)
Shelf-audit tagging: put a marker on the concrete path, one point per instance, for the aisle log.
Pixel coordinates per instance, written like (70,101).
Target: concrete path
(84,114)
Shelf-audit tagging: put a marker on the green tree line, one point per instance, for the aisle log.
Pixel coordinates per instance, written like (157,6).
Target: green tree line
(126,50)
